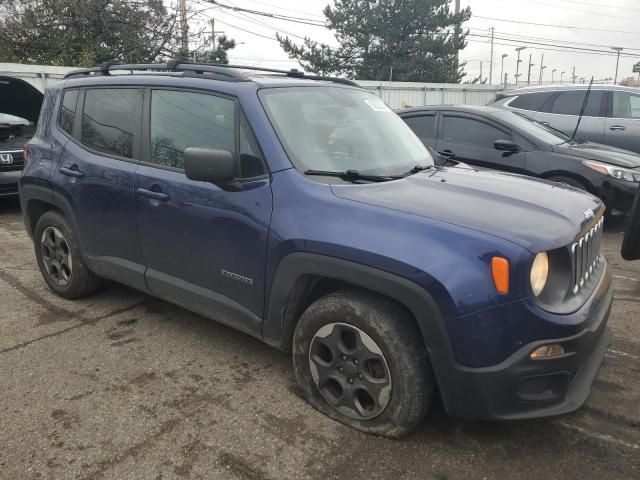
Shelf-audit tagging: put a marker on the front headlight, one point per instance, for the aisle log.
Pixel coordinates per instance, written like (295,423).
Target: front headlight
(613,171)
(539,273)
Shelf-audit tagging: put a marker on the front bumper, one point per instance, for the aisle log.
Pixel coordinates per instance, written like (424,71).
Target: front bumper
(9,182)
(618,194)
(521,388)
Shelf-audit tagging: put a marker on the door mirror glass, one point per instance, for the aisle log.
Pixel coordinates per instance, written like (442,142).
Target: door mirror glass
(506,146)
(210,165)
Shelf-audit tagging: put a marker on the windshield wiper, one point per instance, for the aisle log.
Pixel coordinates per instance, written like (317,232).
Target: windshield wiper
(418,169)
(351,175)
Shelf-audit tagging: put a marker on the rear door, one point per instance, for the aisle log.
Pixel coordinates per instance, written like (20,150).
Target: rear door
(631,242)
(622,125)
(205,246)
(563,110)
(470,139)
(95,177)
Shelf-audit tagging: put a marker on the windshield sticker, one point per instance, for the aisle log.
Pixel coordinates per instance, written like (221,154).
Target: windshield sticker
(378,105)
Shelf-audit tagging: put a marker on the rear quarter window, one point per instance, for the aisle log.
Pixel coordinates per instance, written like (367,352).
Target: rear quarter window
(535,102)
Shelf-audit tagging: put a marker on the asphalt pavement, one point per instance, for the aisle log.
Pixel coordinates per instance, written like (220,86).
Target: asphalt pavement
(121,385)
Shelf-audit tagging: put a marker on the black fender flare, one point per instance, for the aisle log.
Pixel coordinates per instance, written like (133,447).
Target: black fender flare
(278,327)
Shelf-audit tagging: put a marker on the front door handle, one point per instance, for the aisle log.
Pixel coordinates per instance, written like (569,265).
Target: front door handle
(447,153)
(617,127)
(71,171)
(545,123)
(152,195)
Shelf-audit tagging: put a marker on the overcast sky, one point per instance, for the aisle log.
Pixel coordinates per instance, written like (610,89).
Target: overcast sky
(257,46)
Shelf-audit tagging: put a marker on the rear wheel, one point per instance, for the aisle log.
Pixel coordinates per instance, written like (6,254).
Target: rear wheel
(359,359)
(59,258)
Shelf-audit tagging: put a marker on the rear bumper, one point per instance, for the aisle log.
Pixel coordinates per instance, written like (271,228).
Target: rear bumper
(521,388)
(9,182)
(618,195)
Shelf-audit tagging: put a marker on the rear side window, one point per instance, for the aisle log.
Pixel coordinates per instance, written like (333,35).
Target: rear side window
(68,110)
(532,101)
(111,120)
(570,103)
(422,126)
(185,119)
(626,105)
(470,131)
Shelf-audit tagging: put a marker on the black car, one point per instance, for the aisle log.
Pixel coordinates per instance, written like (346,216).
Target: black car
(509,141)
(20,105)
(631,241)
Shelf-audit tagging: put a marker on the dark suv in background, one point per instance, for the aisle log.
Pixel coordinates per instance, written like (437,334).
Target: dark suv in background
(493,138)
(302,211)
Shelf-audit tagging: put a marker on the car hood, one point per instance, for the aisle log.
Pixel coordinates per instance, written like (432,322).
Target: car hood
(601,153)
(535,214)
(20,99)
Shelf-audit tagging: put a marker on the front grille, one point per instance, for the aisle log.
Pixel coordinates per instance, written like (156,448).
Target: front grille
(18,161)
(585,255)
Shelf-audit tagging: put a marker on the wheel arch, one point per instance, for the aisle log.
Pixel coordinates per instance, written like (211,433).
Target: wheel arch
(302,278)
(564,173)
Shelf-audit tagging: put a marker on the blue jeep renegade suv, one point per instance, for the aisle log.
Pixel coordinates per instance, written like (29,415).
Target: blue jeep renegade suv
(302,211)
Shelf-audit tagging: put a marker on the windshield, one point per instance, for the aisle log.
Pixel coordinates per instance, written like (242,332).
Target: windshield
(339,129)
(533,128)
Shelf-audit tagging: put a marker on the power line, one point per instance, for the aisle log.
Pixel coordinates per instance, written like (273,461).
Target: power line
(569,27)
(276,16)
(555,5)
(288,9)
(600,5)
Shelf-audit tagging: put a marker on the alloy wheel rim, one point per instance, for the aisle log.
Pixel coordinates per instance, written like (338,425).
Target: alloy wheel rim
(56,256)
(350,371)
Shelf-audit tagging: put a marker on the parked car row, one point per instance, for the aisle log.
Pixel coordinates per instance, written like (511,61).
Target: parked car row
(303,211)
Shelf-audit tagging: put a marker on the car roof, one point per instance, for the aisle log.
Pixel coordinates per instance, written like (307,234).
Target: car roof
(566,87)
(483,110)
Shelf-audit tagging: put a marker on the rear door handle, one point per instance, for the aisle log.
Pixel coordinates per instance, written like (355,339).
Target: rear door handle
(617,127)
(447,153)
(152,195)
(71,172)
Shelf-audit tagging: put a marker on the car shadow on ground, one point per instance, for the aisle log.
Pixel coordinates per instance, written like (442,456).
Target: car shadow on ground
(9,205)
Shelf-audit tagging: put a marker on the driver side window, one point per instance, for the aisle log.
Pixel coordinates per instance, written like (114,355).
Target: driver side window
(471,132)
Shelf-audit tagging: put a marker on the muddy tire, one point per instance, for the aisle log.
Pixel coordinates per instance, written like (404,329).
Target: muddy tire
(59,258)
(360,359)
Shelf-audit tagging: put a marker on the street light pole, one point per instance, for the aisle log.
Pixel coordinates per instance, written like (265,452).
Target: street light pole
(529,72)
(491,63)
(518,62)
(542,67)
(553,74)
(617,49)
(504,55)
(562,75)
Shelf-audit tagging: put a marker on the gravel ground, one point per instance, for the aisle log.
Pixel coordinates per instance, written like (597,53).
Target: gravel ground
(122,385)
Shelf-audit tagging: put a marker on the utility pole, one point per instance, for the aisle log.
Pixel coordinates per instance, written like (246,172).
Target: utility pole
(518,62)
(617,49)
(574,75)
(504,55)
(506,77)
(184,28)
(481,62)
(542,67)
(491,63)
(529,72)
(213,34)
(458,30)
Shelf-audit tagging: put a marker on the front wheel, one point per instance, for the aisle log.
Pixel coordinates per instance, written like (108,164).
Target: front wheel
(360,360)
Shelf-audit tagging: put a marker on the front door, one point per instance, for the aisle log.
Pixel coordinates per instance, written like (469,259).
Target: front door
(622,128)
(96,174)
(204,245)
(470,139)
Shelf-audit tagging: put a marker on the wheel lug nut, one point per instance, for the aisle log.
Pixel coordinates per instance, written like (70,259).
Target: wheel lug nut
(355,362)
(360,376)
(344,357)
(340,369)
(350,380)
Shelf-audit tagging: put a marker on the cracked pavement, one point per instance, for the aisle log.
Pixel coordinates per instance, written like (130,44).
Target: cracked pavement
(122,385)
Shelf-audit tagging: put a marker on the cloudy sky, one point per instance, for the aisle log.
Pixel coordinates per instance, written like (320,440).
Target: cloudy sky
(543,26)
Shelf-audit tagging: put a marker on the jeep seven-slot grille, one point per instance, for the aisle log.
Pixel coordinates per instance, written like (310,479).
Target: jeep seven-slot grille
(585,255)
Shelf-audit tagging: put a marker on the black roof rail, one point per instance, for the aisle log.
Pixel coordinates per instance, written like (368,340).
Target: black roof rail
(175,65)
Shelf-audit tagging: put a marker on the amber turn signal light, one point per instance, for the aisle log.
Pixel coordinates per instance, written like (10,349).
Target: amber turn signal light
(500,274)
(547,351)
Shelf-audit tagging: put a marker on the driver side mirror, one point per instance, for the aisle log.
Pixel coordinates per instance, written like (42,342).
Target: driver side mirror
(210,165)
(506,146)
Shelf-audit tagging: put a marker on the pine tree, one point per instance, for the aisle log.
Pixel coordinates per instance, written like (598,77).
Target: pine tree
(406,40)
